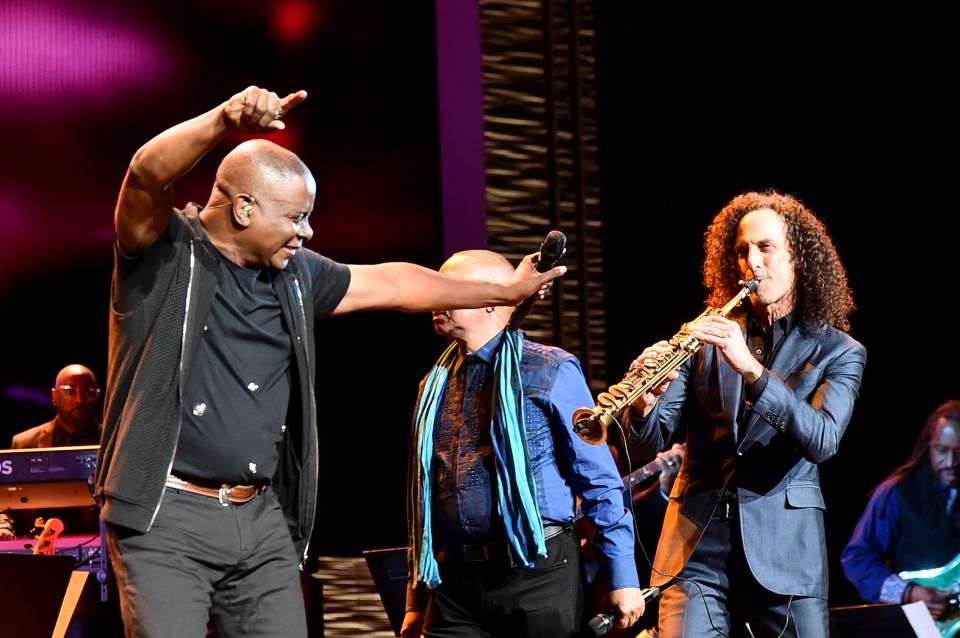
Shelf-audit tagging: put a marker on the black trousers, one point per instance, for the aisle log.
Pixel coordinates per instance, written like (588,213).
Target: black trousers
(491,600)
(724,597)
(236,565)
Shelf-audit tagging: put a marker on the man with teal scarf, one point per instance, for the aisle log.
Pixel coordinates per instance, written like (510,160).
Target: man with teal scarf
(495,470)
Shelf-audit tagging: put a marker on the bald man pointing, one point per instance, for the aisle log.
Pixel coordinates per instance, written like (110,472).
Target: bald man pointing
(208,466)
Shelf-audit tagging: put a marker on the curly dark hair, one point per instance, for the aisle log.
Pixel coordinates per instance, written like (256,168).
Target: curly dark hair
(822,293)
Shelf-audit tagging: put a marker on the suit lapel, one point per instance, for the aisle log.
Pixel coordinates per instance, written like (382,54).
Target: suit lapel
(731,387)
(792,355)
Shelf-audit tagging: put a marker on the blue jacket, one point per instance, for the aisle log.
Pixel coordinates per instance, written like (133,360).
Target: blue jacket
(796,423)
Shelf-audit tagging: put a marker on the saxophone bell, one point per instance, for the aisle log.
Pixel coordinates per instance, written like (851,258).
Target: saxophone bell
(591,426)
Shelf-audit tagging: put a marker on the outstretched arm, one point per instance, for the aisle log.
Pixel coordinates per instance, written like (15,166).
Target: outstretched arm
(411,288)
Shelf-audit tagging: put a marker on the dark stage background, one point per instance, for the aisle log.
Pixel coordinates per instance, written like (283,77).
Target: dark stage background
(698,101)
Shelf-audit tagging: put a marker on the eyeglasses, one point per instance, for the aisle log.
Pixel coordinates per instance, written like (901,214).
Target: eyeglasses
(302,220)
(87,393)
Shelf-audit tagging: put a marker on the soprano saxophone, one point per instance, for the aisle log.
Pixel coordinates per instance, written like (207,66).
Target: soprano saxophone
(591,424)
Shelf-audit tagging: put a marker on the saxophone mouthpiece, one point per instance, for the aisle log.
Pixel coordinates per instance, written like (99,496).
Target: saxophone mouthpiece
(752,284)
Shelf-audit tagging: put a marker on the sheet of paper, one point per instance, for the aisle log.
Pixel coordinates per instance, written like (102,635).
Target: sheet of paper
(921,620)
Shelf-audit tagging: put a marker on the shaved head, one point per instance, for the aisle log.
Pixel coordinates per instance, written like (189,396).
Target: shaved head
(260,166)
(474,326)
(258,213)
(75,370)
(479,264)
(75,395)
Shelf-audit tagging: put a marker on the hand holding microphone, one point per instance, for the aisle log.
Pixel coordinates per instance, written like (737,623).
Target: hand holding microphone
(604,622)
(552,249)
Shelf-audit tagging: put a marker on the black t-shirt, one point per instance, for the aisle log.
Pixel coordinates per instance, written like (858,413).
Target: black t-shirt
(236,398)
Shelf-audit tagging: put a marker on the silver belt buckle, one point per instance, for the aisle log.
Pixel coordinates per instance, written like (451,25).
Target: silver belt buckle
(551,531)
(224,495)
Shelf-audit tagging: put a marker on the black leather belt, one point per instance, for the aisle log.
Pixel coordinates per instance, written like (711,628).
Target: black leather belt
(726,509)
(480,552)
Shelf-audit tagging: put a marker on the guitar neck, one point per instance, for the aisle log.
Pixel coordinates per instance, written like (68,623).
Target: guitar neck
(642,474)
(47,539)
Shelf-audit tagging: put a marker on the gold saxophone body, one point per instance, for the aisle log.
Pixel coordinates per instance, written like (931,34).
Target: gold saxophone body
(591,424)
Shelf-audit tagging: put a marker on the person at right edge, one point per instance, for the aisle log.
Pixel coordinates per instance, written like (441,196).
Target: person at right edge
(764,401)
(912,521)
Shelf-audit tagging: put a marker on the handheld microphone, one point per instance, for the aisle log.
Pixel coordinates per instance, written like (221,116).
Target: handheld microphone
(602,623)
(551,250)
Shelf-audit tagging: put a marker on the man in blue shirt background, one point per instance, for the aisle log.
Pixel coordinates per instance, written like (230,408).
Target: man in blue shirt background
(912,520)
(480,586)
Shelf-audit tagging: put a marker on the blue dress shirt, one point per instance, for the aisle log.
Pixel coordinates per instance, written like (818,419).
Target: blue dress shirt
(563,465)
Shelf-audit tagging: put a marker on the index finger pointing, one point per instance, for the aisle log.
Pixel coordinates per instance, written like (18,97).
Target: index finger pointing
(292,100)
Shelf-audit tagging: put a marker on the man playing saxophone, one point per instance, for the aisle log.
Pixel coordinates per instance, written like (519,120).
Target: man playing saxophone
(765,400)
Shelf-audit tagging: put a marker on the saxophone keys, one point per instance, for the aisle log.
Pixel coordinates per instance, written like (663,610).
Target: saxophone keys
(621,390)
(606,400)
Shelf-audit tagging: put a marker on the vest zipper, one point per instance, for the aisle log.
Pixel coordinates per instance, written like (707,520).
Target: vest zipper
(313,405)
(183,341)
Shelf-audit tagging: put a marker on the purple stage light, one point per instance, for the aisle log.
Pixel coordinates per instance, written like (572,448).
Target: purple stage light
(55,57)
(26,394)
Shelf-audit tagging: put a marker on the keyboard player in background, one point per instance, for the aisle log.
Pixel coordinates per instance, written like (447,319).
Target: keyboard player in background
(76,395)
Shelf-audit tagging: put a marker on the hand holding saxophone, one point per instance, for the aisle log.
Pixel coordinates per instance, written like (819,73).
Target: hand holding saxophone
(645,402)
(653,370)
(727,337)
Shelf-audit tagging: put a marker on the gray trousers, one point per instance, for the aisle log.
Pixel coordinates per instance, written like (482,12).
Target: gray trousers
(726,596)
(235,565)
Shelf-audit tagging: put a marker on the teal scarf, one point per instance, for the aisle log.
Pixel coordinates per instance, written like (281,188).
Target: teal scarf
(516,490)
